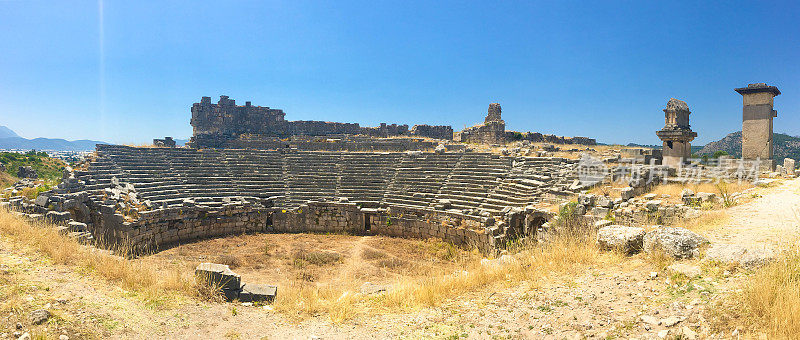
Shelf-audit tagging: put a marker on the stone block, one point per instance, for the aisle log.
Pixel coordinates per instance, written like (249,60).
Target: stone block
(219,275)
(627,193)
(252,292)
(58,216)
(789,166)
(42,200)
(76,226)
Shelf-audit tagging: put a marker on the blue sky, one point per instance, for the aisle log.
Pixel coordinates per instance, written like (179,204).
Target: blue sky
(127,72)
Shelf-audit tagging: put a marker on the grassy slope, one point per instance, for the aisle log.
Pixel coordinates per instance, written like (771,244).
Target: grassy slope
(49,169)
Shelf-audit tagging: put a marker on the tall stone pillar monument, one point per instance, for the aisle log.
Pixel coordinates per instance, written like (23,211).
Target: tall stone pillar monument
(757,115)
(676,134)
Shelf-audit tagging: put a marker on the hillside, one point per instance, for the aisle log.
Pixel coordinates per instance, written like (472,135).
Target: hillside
(6,132)
(785,146)
(9,140)
(49,169)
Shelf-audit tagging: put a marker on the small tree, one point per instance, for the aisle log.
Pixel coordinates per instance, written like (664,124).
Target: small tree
(720,153)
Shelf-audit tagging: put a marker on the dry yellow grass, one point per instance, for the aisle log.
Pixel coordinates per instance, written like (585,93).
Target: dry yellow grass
(708,221)
(567,254)
(153,285)
(157,285)
(769,302)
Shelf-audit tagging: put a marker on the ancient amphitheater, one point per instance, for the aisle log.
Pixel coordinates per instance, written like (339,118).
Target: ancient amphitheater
(242,175)
(158,196)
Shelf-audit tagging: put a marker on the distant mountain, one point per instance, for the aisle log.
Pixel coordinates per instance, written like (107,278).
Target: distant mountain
(784,146)
(47,144)
(6,132)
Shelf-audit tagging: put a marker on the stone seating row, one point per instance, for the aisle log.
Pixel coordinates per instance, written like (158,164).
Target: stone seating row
(420,180)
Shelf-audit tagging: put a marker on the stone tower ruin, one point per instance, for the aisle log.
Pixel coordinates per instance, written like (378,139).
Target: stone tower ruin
(676,134)
(757,115)
(494,113)
(492,131)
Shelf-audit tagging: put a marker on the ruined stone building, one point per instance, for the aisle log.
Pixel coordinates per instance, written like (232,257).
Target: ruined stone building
(537,137)
(433,131)
(677,134)
(492,131)
(757,115)
(226,124)
(167,142)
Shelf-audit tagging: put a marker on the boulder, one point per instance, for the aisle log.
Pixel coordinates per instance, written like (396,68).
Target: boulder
(39,316)
(739,255)
(622,238)
(678,243)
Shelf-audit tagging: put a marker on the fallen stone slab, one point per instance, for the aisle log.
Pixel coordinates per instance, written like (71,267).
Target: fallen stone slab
(622,238)
(219,275)
(736,254)
(678,243)
(252,292)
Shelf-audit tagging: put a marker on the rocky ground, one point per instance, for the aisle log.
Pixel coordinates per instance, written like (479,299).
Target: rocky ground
(635,297)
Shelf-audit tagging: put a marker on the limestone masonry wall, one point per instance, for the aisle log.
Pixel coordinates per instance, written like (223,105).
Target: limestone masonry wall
(221,125)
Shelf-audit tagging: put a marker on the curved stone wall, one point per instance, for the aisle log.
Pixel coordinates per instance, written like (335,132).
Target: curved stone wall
(150,197)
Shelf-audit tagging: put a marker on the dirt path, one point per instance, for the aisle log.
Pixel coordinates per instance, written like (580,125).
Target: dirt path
(766,222)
